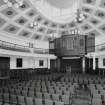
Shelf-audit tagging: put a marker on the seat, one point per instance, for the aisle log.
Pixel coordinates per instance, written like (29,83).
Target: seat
(48,102)
(67,92)
(38,89)
(24,93)
(97,96)
(18,92)
(6,90)
(38,94)
(12,91)
(55,97)
(44,89)
(65,99)
(6,97)
(29,101)
(6,104)
(13,99)
(31,94)
(58,91)
(71,89)
(21,100)
(102,92)
(51,91)
(1,103)
(26,88)
(1,97)
(1,90)
(96,101)
(38,101)
(31,88)
(47,96)
(94,91)
(59,103)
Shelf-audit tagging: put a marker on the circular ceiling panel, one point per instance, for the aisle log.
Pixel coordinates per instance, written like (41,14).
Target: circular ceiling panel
(61,3)
(59,11)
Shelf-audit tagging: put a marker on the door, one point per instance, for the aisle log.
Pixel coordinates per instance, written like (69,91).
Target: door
(68,68)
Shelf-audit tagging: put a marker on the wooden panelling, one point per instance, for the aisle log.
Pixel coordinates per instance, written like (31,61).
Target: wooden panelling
(74,45)
(90,43)
(70,45)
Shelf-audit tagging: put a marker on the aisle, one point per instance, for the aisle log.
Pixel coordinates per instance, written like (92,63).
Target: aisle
(81,97)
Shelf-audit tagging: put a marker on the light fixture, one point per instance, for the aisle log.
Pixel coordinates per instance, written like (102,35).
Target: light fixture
(15,3)
(80,17)
(75,31)
(34,25)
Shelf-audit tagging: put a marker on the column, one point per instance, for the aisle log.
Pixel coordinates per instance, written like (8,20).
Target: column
(48,63)
(94,62)
(31,46)
(58,64)
(83,64)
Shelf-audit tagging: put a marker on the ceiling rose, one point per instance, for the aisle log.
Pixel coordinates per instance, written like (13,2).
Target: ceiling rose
(61,3)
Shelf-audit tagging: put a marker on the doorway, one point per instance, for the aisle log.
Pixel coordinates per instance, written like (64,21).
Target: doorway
(72,65)
(68,68)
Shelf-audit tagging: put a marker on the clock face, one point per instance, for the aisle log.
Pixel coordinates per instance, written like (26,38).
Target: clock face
(59,11)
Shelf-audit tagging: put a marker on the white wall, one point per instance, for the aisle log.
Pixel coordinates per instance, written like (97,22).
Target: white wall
(29,63)
(45,63)
(41,44)
(26,63)
(100,63)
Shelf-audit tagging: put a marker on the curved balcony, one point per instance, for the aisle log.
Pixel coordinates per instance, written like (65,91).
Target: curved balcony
(41,51)
(21,48)
(14,47)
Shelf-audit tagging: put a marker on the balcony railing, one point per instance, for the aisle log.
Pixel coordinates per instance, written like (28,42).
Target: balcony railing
(100,47)
(41,51)
(13,47)
(21,48)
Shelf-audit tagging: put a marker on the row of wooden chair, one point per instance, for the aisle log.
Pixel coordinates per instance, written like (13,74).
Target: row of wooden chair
(51,91)
(23,100)
(56,97)
(78,78)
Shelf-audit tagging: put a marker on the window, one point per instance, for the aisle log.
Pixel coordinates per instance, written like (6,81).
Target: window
(81,42)
(70,43)
(104,62)
(96,60)
(19,62)
(51,45)
(41,62)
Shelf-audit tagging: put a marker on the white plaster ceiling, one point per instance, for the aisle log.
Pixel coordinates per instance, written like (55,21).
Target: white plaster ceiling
(61,3)
(15,22)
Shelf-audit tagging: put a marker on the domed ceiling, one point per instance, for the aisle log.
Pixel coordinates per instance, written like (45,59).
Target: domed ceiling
(53,16)
(58,11)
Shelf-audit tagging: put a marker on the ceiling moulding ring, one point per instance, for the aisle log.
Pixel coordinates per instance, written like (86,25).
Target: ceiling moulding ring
(58,15)
(62,4)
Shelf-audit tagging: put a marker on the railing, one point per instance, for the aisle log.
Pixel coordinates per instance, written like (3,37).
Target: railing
(16,47)
(41,51)
(100,47)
